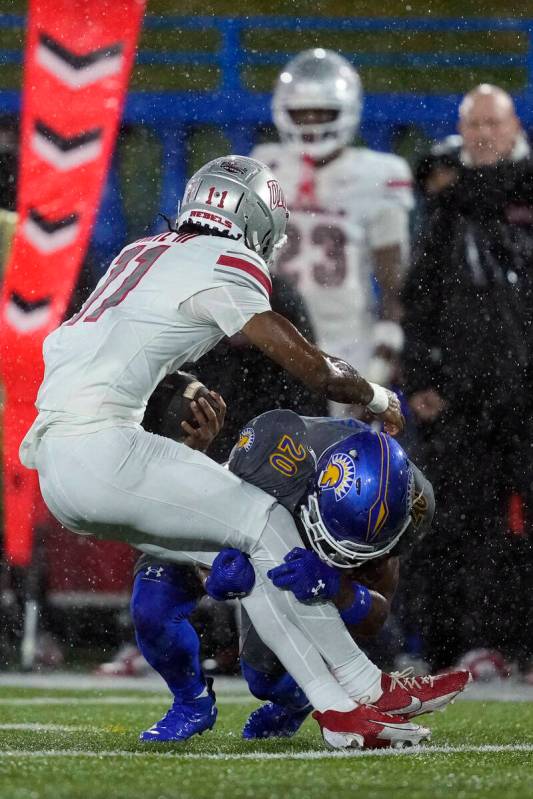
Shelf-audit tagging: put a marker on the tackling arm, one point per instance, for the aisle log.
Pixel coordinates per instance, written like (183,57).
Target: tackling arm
(381,580)
(364,603)
(279,340)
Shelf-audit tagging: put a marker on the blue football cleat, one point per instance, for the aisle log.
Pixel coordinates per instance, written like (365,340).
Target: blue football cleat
(184,719)
(275,721)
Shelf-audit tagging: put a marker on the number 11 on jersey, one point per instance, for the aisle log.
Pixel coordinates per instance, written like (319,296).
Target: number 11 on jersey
(145,259)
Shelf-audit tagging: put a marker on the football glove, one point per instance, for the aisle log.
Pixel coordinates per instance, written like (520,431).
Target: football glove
(232,576)
(308,577)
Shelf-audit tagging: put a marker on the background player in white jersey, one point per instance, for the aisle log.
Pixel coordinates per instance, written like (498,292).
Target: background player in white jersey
(166,300)
(349,211)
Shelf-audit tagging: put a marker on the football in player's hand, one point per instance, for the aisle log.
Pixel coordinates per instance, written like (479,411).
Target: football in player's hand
(171,404)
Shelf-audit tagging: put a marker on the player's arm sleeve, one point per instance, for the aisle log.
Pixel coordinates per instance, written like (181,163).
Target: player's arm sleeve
(389,224)
(241,289)
(229,306)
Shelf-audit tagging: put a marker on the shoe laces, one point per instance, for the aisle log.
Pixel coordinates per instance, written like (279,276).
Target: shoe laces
(407,679)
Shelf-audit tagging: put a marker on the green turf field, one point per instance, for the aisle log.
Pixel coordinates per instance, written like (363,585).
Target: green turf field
(69,744)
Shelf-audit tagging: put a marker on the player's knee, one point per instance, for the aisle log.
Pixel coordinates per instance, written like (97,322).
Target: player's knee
(260,684)
(144,615)
(157,605)
(280,688)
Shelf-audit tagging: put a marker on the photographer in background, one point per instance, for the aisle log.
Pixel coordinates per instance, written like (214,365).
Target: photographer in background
(489,133)
(467,355)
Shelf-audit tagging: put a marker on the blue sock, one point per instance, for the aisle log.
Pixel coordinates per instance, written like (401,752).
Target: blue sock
(161,603)
(281,689)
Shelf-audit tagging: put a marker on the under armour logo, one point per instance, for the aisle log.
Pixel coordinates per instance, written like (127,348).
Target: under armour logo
(318,588)
(156,572)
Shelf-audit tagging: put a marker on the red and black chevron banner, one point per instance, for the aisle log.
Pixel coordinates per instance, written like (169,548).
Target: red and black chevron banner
(78,61)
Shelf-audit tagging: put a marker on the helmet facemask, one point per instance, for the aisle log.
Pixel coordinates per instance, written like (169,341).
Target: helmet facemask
(341,554)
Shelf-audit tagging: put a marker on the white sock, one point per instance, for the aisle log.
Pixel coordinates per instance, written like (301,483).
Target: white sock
(360,678)
(325,695)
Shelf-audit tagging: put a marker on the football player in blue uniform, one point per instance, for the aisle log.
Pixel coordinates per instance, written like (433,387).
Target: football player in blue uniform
(359,503)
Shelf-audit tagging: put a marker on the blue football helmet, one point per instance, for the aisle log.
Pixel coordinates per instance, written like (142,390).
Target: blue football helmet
(361,499)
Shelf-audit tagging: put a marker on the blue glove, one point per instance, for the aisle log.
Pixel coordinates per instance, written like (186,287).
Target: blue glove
(232,575)
(308,577)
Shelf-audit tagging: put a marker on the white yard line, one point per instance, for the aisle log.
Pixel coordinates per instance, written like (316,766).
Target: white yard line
(164,700)
(79,681)
(426,751)
(36,727)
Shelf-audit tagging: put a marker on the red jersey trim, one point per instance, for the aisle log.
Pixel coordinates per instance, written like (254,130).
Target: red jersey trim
(250,269)
(181,238)
(399,184)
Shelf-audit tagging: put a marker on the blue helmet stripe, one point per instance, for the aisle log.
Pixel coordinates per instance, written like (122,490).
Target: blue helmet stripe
(379,512)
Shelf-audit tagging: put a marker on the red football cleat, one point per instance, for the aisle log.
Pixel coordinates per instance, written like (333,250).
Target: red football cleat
(485,665)
(408,695)
(128,662)
(368,728)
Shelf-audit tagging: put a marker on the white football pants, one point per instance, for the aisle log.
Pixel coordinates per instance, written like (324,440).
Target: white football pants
(162,497)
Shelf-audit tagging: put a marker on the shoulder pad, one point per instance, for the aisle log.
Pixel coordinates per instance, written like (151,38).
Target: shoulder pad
(273,453)
(325,431)
(239,265)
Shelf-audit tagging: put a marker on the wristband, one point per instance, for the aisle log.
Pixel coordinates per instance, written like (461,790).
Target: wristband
(361,606)
(380,401)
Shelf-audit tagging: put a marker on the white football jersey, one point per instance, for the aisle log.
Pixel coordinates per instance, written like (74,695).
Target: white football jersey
(339,213)
(163,301)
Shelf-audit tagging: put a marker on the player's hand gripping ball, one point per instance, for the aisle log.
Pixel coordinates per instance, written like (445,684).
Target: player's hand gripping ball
(308,577)
(207,413)
(232,576)
(183,409)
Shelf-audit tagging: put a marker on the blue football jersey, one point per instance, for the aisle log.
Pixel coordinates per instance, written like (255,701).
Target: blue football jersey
(278,451)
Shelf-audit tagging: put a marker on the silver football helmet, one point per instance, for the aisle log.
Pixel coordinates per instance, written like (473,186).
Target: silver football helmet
(318,79)
(241,198)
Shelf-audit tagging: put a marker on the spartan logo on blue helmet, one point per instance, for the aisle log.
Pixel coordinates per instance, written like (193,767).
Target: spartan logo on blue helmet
(362,499)
(338,475)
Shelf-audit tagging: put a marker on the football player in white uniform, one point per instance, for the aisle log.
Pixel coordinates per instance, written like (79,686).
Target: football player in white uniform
(349,211)
(166,300)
